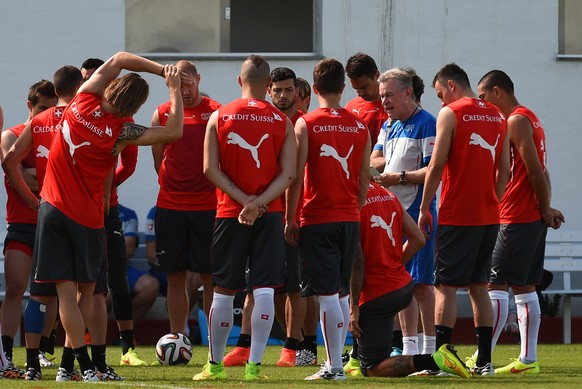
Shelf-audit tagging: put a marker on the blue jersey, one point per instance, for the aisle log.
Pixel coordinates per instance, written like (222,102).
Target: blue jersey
(129,221)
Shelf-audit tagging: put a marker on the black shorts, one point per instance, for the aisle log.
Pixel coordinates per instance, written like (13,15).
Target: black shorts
(376,322)
(183,240)
(327,251)
(116,254)
(518,257)
(293,267)
(463,254)
(20,232)
(66,250)
(259,247)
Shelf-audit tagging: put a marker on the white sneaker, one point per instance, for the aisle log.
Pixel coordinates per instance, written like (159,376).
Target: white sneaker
(325,374)
(63,375)
(484,370)
(91,375)
(44,361)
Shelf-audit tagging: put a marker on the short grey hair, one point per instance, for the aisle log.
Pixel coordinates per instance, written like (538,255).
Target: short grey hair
(401,75)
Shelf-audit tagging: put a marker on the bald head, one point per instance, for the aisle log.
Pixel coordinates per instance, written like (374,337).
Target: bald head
(255,71)
(187,67)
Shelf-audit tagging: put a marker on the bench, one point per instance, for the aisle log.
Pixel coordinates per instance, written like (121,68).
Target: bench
(564,255)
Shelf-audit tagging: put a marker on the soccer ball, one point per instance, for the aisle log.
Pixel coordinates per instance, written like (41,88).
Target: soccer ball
(174,349)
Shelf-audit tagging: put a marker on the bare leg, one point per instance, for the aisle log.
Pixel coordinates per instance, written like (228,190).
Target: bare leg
(178,303)
(145,293)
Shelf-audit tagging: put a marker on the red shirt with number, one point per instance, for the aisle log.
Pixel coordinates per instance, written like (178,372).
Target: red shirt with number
(371,113)
(519,203)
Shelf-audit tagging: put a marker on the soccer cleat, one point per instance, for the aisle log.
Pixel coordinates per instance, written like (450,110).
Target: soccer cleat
(212,371)
(425,373)
(44,361)
(305,358)
(352,368)
(63,375)
(11,372)
(237,357)
(91,375)
(325,374)
(471,361)
(253,372)
(518,367)
(483,370)
(109,375)
(448,361)
(32,374)
(130,358)
(345,357)
(395,352)
(156,363)
(287,358)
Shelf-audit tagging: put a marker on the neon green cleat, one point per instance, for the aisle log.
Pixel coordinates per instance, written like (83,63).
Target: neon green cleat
(471,361)
(448,361)
(517,367)
(253,372)
(352,368)
(130,358)
(211,371)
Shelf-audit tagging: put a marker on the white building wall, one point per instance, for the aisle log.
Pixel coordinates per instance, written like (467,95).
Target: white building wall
(38,36)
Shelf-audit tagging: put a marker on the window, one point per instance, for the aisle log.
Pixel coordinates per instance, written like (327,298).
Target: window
(195,27)
(570,29)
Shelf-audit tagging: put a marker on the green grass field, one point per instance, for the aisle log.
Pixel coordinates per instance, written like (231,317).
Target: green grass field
(560,368)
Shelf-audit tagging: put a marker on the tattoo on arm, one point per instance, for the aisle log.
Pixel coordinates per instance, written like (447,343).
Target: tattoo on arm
(230,183)
(357,280)
(131,131)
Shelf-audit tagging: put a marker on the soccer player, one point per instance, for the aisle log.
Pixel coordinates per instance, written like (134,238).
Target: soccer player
(335,144)
(381,287)
(21,221)
(363,74)
(303,95)
(186,205)
(94,129)
(249,154)
(525,214)
(471,156)
(406,147)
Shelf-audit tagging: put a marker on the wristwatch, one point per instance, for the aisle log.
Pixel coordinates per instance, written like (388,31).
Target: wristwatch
(403,178)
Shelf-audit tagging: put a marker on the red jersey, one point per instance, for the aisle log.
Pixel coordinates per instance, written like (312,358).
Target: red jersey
(44,126)
(381,239)
(17,211)
(468,196)
(126,163)
(331,185)
(251,134)
(519,203)
(371,113)
(80,160)
(183,185)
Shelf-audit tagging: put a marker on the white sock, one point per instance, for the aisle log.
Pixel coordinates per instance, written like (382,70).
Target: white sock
(261,322)
(410,344)
(428,344)
(332,323)
(345,305)
(529,317)
(500,303)
(220,324)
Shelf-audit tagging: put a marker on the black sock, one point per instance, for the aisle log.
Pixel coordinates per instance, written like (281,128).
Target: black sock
(82,356)
(68,359)
(126,337)
(310,343)
(355,353)
(291,344)
(443,335)
(424,362)
(32,358)
(397,339)
(98,356)
(244,340)
(50,345)
(44,343)
(484,338)
(8,344)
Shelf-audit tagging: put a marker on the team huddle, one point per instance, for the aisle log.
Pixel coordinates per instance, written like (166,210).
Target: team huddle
(327,216)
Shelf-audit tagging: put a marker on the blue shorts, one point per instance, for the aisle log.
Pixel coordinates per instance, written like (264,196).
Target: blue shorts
(421,265)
